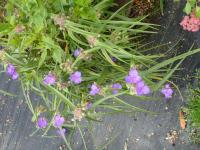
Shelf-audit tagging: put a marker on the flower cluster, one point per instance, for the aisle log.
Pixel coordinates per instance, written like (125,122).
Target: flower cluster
(57,122)
(19,28)
(135,79)
(142,88)
(191,23)
(167,91)
(11,71)
(78,114)
(59,20)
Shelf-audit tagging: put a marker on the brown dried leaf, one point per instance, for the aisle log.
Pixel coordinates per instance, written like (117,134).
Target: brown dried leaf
(182,120)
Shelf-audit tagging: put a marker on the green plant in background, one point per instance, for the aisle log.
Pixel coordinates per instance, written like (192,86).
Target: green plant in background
(193,112)
(192,6)
(78,56)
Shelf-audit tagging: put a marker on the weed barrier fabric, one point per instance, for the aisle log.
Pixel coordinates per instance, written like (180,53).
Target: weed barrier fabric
(135,131)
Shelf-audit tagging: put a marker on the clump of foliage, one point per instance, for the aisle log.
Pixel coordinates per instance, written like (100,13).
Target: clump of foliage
(192,6)
(79,57)
(191,22)
(193,113)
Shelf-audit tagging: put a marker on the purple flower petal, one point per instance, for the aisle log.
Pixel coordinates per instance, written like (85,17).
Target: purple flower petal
(128,79)
(15,76)
(142,88)
(139,91)
(133,72)
(10,69)
(131,79)
(61,131)
(115,91)
(77,52)
(137,79)
(88,105)
(117,86)
(146,90)
(140,84)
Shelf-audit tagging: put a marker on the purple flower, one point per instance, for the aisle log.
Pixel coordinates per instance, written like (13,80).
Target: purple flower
(133,76)
(61,131)
(58,121)
(94,89)
(114,59)
(167,91)
(49,79)
(76,77)
(142,88)
(10,70)
(88,105)
(42,122)
(116,87)
(77,52)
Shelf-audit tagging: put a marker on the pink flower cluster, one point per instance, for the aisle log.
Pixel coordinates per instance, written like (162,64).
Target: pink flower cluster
(191,23)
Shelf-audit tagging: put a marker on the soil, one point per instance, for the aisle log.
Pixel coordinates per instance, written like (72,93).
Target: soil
(135,131)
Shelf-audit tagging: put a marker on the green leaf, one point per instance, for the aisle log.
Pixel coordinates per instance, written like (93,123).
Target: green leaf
(169,61)
(7,93)
(188,8)
(27,41)
(42,59)
(192,2)
(56,49)
(59,94)
(84,3)
(57,55)
(88,13)
(98,102)
(159,84)
(197,11)
(5,28)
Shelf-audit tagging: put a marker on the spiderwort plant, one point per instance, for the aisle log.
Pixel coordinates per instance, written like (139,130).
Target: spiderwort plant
(78,59)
